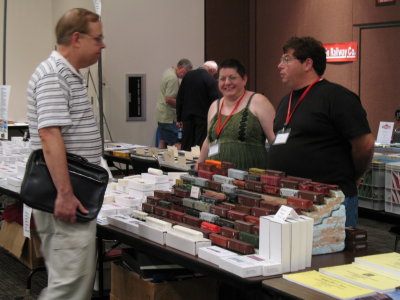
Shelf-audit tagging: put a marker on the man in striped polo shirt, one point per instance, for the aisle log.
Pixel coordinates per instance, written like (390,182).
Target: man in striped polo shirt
(61,120)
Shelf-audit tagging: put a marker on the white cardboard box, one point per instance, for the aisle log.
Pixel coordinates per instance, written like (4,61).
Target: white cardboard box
(184,243)
(275,240)
(214,254)
(151,178)
(269,267)
(151,233)
(242,266)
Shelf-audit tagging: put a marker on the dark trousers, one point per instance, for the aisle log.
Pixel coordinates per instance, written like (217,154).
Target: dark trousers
(194,132)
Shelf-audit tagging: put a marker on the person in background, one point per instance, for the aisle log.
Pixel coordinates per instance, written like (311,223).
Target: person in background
(61,120)
(239,123)
(166,103)
(321,128)
(196,93)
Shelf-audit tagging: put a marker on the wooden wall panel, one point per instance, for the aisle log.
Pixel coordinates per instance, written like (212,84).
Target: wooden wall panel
(277,21)
(227,30)
(366,12)
(380,74)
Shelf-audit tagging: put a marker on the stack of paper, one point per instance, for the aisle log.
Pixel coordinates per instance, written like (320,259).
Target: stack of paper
(328,285)
(363,276)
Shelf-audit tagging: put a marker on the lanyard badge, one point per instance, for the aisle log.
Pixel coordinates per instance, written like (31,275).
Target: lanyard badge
(282,136)
(213,149)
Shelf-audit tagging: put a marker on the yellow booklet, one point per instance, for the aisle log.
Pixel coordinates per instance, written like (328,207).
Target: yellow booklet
(389,262)
(363,276)
(328,285)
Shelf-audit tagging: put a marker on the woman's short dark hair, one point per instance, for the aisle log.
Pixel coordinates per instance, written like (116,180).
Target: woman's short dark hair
(308,47)
(234,64)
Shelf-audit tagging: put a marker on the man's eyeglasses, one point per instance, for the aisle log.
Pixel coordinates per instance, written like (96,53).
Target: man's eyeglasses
(98,39)
(286,59)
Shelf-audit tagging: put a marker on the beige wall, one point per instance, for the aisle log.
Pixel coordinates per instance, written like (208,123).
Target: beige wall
(28,43)
(146,36)
(142,36)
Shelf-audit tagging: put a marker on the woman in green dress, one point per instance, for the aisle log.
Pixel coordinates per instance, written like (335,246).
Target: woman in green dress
(239,123)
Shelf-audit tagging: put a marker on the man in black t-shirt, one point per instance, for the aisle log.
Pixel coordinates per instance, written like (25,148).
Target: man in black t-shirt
(196,93)
(321,128)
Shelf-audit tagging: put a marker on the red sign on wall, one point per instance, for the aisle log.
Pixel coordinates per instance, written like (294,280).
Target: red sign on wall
(340,52)
(385,2)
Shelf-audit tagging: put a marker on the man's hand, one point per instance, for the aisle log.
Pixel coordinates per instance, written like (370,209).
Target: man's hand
(66,206)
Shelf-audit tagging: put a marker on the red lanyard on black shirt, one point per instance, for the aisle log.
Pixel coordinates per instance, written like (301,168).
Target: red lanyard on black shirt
(219,128)
(303,95)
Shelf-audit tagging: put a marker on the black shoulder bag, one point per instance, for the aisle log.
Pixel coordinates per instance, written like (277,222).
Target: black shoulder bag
(89,182)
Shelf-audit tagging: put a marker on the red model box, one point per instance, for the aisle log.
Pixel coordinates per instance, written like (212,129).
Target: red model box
(176,215)
(205,174)
(299,203)
(249,200)
(153,200)
(243,209)
(148,208)
(241,247)
(219,240)
(219,211)
(210,226)
(244,226)
(203,166)
(230,232)
(191,220)
(270,179)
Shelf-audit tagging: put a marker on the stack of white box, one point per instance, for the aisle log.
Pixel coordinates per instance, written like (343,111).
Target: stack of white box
(288,242)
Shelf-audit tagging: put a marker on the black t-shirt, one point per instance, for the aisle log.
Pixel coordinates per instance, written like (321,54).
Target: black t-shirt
(318,146)
(196,93)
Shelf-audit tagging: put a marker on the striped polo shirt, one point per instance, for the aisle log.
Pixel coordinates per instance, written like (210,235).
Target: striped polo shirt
(57,96)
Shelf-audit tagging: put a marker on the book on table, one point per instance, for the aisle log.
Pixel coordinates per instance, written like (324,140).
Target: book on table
(388,262)
(363,276)
(328,285)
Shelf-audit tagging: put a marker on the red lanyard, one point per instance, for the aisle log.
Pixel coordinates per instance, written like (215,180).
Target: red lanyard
(290,114)
(219,128)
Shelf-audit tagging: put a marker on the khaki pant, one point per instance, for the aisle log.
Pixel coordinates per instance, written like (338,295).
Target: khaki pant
(69,251)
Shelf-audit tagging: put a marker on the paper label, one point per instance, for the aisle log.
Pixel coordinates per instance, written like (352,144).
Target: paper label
(285,212)
(27,213)
(195,192)
(385,132)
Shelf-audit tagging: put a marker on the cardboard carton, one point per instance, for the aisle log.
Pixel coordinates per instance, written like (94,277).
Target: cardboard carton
(26,250)
(127,285)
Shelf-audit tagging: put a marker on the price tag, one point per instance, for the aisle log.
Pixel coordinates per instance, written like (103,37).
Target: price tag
(27,213)
(195,192)
(285,212)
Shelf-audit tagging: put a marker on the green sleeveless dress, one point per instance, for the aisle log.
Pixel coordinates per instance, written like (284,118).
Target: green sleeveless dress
(242,140)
